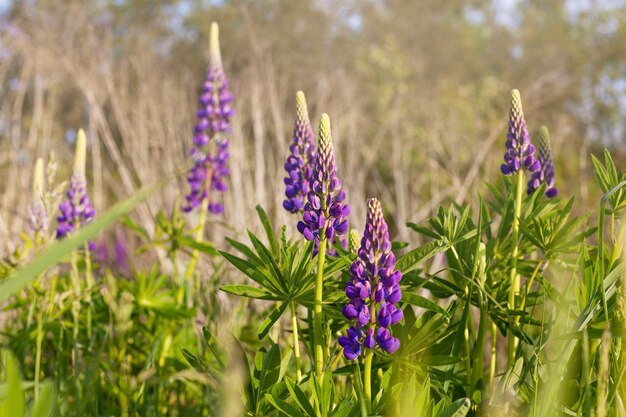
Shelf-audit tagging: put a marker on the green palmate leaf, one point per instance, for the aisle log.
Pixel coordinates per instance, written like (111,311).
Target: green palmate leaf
(422,230)
(252,271)
(459,408)
(12,403)
(419,301)
(134,226)
(53,254)
(272,319)
(243,249)
(299,397)
(204,247)
(197,363)
(273,273)
(248,291)
(269,232)
(44,405)
(439,360)
(267,369)
(411,259)
(284,406)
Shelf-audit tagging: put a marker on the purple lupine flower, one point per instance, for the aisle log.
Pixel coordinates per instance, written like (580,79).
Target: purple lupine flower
(325,212)
(37,213)
(299,164)
(210,153)
(546,173)
(76,209)
(374,290)
(520,152)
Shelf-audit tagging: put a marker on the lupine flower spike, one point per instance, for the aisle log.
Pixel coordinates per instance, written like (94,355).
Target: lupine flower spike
(373,290)
(76,209)
(299,164)
(210,152)
(546,173)
(520,152)
(325,212)
(37,215)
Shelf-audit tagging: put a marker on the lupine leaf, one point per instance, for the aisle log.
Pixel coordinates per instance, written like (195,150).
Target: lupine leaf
(411,259)
(44,405)
(249,291)
(13,403)
(204,247)
(271,319)
(269,231)
(459,408)
(419,301)
(299,397)
(283,406)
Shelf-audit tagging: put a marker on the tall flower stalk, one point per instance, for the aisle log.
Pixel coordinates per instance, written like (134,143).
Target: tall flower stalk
(210,152)
(373,292)
(325,216)
(76,211)
(519,157)
(299,164)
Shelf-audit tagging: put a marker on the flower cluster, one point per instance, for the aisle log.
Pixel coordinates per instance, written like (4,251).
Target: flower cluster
(210,153)
(520,152)
(299,164)
(325,212)
(373,290)
(546,173)
(76,209)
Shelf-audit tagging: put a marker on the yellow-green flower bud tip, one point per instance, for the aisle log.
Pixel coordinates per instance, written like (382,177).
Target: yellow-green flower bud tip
(38,178)
(355,241)
(544,137)
(215,55)
(302,112)
(80,157)
(325,136)
(516,104)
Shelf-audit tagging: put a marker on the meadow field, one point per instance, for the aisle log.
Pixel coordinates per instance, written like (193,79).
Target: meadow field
(313,208)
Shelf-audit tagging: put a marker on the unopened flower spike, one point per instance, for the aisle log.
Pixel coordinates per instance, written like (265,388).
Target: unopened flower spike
(520,152)
(37,215)
(210,152)
(354,241)
(299,164)
(373,290)
(325,212)
(546,173)
(76,209)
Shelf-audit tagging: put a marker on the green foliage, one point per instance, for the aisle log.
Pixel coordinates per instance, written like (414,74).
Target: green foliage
(13,393)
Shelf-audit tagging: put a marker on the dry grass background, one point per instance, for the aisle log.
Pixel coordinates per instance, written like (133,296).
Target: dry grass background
(417,93)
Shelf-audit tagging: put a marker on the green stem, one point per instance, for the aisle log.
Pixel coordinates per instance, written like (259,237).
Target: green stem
(198,237)
(369,356)
(493,359)
(75,276)
(515,279)
(317,310)
(466,340)
(296,339)
(90,284)
(612,227)
(528,286)
(367,377)
(39,340)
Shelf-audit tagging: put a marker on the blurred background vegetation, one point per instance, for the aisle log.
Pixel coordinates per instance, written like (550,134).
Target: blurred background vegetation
(417,92)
